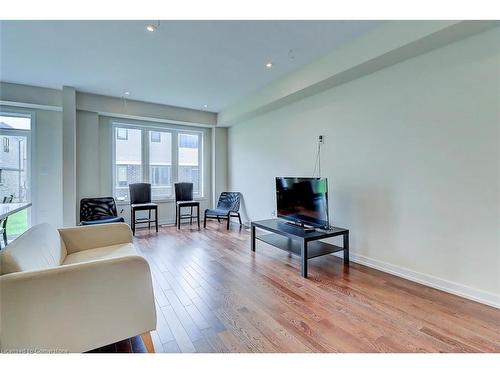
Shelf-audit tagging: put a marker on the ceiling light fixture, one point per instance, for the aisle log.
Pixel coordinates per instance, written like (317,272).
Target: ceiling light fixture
(126,93)
(151,28)
(205,105)
(269,65)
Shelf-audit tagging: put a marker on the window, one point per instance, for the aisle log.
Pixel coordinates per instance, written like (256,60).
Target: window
(15,162)
(189,160)
(128,160)
(122,175)
(15,121)
(156,137)
(160,175)
(122,134)
(188,141)
(160,162)
(5,144)
(160,157)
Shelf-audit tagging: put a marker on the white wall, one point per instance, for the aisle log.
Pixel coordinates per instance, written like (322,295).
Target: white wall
(70,216)
(412,157)
(219,144)
(47,168)
(87,155)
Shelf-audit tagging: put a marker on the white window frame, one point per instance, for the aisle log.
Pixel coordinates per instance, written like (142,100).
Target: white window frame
(145,137)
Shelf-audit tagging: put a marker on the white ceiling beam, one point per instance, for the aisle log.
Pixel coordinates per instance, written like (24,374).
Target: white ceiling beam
(387,45)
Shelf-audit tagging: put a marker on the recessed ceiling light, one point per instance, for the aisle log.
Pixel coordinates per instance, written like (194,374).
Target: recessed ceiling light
(126,93)
(269,65)
(205,105)
(151,28)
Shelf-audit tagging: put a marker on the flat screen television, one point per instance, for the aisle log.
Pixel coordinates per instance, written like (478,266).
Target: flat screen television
(303,200)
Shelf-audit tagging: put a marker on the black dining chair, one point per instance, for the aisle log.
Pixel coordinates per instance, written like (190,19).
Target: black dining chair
(99,211)
(140,200)
(184,198)
(228,206)
(3,222)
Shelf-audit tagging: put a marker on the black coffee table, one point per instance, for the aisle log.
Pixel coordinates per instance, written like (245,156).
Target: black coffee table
(296,240)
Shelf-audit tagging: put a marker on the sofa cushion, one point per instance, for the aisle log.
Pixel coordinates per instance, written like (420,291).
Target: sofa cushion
(37,248)
(100,253)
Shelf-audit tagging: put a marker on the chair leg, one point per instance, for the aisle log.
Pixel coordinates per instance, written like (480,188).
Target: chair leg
(179,220)
(156,219)
(148,342)
(132,220)
(191,216)
(198,215)
(228,220)
(176,206)
(4,232)
(218,219)
(205,220)
(149,219)
(239,218)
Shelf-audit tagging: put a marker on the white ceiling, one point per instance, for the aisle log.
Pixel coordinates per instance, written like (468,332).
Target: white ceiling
(183,63)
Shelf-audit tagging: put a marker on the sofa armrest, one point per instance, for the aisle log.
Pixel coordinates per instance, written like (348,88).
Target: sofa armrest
(92,236)
(77,307)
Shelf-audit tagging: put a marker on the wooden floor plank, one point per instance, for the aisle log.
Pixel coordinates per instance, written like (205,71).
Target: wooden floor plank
(214,295)
(180,334)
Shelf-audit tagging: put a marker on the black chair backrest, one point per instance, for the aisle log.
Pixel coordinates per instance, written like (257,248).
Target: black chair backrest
(183,191)
(229,200)
(97,208)
(140,193)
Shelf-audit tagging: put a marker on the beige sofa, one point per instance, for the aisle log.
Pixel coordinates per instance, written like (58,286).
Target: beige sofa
(73,289)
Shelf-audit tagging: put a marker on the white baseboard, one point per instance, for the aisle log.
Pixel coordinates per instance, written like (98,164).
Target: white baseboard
(464,291)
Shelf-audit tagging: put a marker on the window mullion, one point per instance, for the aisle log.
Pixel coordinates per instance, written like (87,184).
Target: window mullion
(145,156)
(175,157)
(201,170)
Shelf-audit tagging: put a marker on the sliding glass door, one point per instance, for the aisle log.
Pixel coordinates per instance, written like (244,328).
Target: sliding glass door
(15,181)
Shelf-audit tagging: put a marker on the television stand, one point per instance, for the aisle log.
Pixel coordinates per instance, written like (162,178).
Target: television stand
(307,228)
(296,240)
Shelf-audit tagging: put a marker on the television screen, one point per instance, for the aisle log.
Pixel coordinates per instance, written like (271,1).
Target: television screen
(303,200)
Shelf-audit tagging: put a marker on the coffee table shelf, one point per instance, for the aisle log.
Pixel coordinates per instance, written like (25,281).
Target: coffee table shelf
(296,240)
(315,249)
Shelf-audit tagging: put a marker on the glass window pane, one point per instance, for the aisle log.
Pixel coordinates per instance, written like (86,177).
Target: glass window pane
(155,136)
(128,159)
(189,169)
(15,122)
(160,164)
(14,176)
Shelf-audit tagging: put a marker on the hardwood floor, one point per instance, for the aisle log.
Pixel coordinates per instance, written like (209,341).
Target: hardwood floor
(214,295)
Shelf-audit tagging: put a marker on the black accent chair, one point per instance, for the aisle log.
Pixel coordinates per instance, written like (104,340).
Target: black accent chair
(99,211)
(3,223)
(228,206)
(184,198)
(140,200)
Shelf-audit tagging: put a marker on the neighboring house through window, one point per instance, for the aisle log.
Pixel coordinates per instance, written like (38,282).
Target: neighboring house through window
(122,134)
(155,137)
